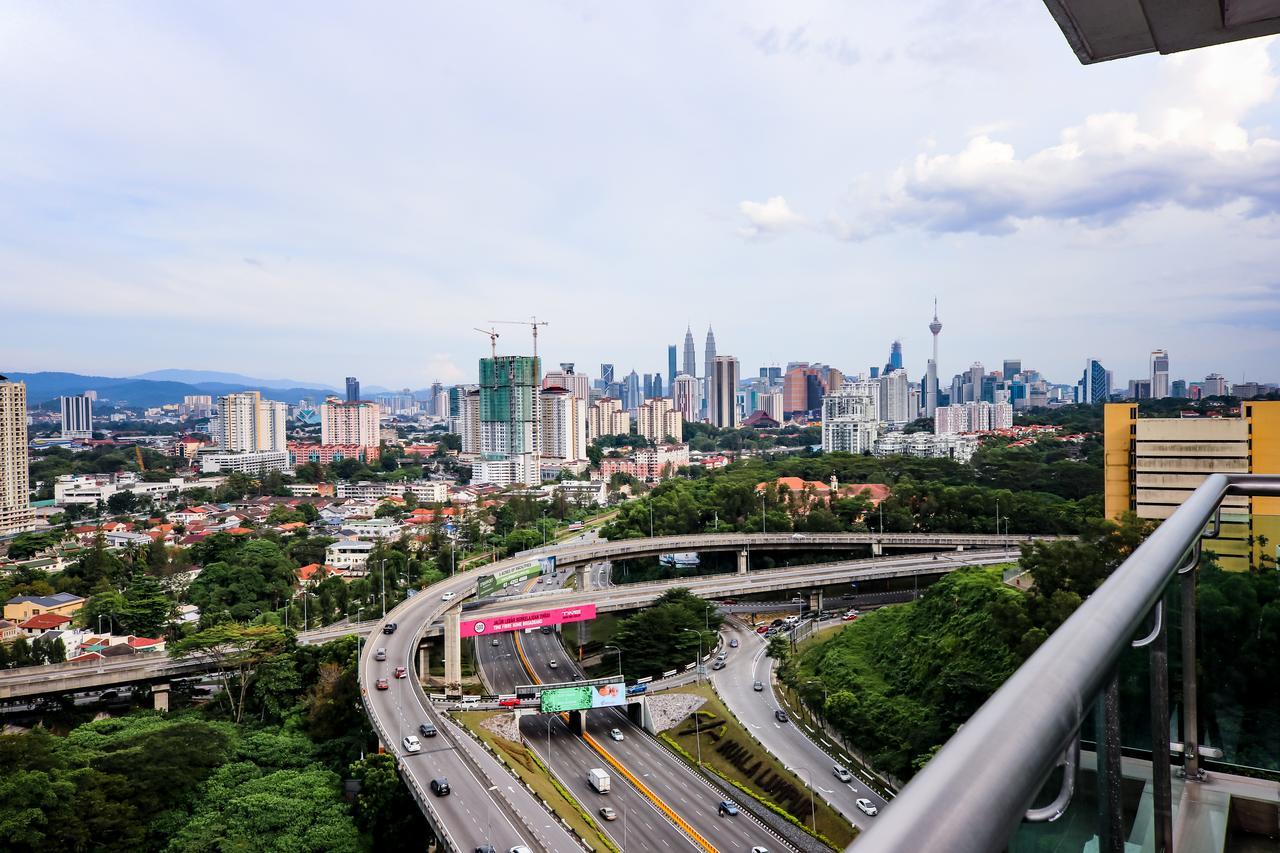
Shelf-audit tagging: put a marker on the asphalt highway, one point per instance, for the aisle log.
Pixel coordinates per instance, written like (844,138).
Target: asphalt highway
(743,667)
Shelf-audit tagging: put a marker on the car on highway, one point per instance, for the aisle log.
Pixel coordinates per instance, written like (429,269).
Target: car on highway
(389,628)
(727,807)
(759,849)
(780,715)
(608,813)
(401,672)
(718,665)
(546,629)
(866,806)
(494,642)
(842,773)
(733,644)
(381,684)
(380,654)
(616,734)
(412,744)
(519,848)
(448,596)
(485,848)
(427,730)
(758,686)
(553,664)
(440,786)
(509,703)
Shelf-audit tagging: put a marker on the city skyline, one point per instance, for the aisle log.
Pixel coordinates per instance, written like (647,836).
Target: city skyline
(1049,225)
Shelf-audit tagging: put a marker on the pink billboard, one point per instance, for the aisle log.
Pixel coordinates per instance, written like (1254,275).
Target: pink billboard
(534,619)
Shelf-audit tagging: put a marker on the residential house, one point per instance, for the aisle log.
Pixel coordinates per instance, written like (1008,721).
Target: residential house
(23,607)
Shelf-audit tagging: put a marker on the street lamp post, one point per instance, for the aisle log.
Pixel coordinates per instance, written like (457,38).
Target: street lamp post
(812,813)
(383,564)
(550,719)
(488,819)
(619,651)
(100,617)
(698,666)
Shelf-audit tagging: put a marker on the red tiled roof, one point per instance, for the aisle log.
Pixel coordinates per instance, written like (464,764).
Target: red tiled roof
(45,622)
(238,531)
(143,642)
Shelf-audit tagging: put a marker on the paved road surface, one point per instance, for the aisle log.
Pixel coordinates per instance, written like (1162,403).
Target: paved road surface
(744,666)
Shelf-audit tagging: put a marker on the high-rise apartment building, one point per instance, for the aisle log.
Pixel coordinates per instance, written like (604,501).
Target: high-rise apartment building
(607,417)
(972,417)
(1159,374)
(722,405)
(657,420)
(352,423)
(1153,464)
(578,384)
(353,389)
(684,396)
(690,366)
(467,423)
(15,487)
(196,406)
(509,417)
(250,423)
(77,417)
(1095,384)
(895,398)
(770,402)
(564,427)
(850,419)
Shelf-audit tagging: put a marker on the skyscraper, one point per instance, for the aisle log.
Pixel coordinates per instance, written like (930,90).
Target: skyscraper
(353,389)
(671,362)
(707,365)
(566,378)
(722,405)
(1095,383)
(895,357)
(690,358)
(657,386)
(15,489)
(632,393)
(250,423)
(606,376)
(77,417)
(1012,367)
(684,396)
(1159,374)
(931,371)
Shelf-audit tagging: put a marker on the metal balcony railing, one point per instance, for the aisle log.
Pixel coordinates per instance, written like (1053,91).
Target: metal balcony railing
(977,793)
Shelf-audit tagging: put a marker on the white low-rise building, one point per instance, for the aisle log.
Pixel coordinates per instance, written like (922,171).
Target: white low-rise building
(349,554)
(379,529)
(254,463)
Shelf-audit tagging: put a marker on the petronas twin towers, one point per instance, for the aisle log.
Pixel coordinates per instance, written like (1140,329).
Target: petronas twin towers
(690,367)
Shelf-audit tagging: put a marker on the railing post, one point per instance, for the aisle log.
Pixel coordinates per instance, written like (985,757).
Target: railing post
(1161,779)
(1110,801)
(1190,719)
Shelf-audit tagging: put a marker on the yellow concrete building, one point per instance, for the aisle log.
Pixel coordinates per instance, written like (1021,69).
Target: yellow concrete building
(1153,465)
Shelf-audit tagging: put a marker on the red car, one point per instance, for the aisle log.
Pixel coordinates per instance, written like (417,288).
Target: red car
(849,617)
(762,629)
(509,703)
(401,672)
(382,684)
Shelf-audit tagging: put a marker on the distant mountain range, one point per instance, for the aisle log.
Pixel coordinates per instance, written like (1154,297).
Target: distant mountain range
(44,387)
(203,377)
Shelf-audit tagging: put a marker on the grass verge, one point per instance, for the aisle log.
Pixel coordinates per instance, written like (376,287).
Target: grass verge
(752,769)
(545,787)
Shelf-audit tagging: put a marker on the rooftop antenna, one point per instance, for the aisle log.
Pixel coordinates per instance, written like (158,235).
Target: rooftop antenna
(493,339)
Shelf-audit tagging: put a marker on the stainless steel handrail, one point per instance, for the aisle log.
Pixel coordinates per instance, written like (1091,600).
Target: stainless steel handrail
(971,796)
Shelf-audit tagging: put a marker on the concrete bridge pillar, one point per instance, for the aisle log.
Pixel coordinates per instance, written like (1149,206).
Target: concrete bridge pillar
(959,547)
(877,549)
(583,574)
(742,561)
(424,661)
(578,722)
(453,650)
(815,599)
(160,697)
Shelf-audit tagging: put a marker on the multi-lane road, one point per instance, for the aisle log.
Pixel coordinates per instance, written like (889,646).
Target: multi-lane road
(748,664)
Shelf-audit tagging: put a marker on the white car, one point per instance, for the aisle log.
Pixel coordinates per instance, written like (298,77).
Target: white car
(552,664)
(519,848)
(842,774)
(616,734)
(412,744)
(759,850)
(448,596)
(866,806)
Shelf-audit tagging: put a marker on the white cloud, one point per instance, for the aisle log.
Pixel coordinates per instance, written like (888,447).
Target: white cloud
(1190,149)
(769,219)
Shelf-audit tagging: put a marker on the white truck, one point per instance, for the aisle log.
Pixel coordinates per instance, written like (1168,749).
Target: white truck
(598,779)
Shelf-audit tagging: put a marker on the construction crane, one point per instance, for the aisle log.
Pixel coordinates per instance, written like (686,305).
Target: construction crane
(532,322)
(142,466)
(493,339)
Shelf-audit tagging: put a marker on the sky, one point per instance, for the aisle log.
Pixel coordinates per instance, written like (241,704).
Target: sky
(316,190)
